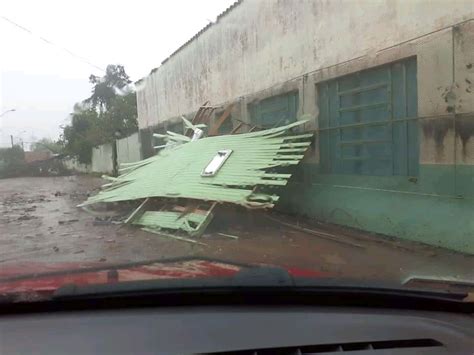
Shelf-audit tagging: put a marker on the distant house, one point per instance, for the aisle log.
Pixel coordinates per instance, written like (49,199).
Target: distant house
(31,157)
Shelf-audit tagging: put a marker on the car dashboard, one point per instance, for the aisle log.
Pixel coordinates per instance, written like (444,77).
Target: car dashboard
(238,329)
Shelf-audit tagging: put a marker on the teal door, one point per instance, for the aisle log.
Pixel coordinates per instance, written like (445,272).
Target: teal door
(275,111)
(362,121)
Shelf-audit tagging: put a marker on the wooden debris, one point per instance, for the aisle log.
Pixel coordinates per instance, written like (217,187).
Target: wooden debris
(236,128)
(203,115)
(228,235)
(138,211)
(320,234)
(214,130)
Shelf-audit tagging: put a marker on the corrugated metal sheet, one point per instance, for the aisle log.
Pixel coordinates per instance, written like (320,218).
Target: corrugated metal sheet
(176,172)
(191,223)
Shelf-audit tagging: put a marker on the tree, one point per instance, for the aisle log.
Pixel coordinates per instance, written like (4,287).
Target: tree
(105,88)
(120,120)
(110,113)
(12,161)
(82,134)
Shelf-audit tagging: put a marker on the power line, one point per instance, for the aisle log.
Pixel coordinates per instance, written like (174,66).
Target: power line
(64,49)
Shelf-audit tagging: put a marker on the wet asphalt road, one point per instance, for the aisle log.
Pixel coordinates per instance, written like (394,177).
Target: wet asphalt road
(39,222)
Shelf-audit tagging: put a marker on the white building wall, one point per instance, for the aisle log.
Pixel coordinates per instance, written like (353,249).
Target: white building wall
(261,44)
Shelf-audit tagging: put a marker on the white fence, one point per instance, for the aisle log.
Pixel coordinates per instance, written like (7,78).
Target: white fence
(73,165)
(128,149)
(103,159)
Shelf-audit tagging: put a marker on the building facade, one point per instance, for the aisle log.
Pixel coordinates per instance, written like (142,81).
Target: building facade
(387,87)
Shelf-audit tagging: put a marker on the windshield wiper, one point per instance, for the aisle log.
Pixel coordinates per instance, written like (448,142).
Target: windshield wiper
(436,281)
(261,285)
(267,285)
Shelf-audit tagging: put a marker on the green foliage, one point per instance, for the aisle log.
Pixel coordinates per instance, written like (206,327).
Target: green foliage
(103,117)
(120,120)
(12,155)
(105,88)
(82,134)
(12,161)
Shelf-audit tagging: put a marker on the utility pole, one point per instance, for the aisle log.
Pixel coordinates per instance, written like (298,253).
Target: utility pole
(5,112)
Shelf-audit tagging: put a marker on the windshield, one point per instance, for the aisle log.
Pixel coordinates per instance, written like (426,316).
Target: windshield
(330,139)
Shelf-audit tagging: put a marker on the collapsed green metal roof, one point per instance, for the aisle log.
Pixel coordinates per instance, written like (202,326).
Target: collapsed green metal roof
(191,223)
(175,172)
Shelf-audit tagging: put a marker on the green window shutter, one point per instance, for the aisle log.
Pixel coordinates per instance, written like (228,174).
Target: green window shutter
(226,127)
(275,111)
(177,127)
(357,117)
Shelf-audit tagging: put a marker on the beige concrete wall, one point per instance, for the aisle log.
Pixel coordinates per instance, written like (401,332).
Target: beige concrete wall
(464,91)
(261,44)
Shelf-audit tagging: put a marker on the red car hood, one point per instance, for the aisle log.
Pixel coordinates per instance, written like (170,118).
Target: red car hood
(45,278)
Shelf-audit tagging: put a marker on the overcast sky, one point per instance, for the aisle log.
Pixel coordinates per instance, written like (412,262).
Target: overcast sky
(42,81)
